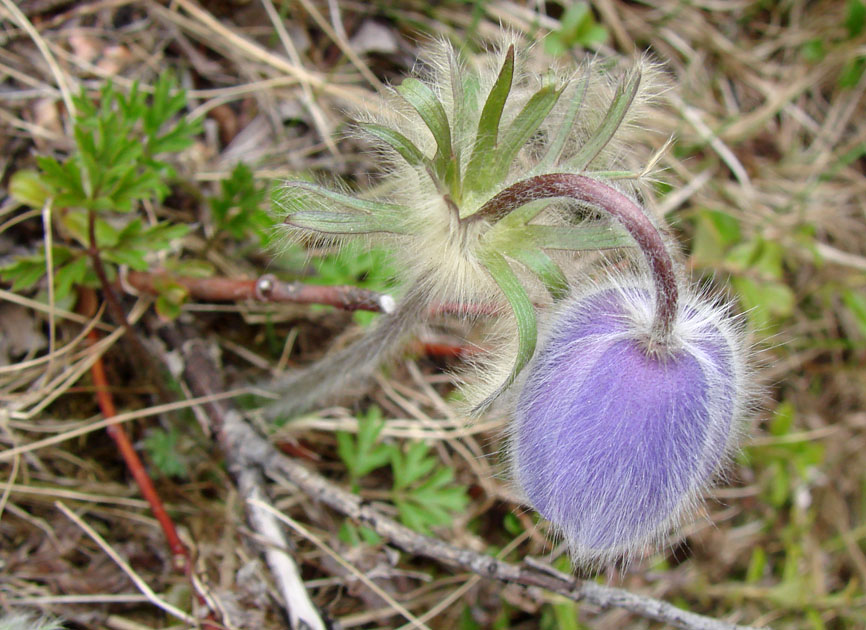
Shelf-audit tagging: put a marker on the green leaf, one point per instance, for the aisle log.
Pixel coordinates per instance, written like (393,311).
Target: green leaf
(855,18)
(106,234)
(428,106)
(363,454)
(622,100)
(25,272)
(134,258)
(557,143)
(813,50)
(585,237)
(757,564)
(783,419)
(518,133)
(524,314)
(488,126)
(28,187)
(577,27)
(851,72)
(766,302)
(855,301)
(545,268)
(397,141)
(163,450)
(167,309)
(715,233)
(412,466)
(68,275)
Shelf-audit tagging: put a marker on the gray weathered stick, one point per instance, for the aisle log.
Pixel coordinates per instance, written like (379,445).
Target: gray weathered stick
(244,451)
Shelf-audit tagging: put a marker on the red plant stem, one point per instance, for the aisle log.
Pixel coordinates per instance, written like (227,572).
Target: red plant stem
(620,207)
(266,288)
(135,465)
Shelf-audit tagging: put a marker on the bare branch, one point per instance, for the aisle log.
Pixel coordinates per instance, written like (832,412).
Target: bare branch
(244,450)
(266,288)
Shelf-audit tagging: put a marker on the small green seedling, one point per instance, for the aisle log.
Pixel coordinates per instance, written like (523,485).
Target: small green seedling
(119,161)
(423,490)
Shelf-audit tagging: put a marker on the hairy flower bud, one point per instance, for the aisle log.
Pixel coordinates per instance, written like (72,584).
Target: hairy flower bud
(614,439)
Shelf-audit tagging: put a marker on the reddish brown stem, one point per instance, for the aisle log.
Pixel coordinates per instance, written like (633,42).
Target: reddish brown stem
(266,288)
(620,207)
(135,465)
(117,313)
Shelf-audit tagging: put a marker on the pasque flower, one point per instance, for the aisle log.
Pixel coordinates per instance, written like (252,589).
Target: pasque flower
(627,409)
(617,430)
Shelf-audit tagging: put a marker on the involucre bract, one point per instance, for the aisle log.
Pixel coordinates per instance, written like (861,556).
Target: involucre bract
(613,443)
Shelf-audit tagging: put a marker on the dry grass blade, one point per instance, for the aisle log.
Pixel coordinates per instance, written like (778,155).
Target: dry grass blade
(142,586)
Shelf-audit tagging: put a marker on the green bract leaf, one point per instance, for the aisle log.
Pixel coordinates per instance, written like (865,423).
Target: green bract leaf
(316,208)
(397,141)
(545,268)
(622,100)
(518,133)
(557,143)
(425,102)
(524,314)
(342,222)
(580,237)
(488,125)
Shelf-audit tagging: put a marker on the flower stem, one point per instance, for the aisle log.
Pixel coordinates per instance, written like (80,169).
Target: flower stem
(624,210)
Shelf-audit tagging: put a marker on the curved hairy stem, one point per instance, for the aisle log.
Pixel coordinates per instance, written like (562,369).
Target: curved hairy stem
(620,207)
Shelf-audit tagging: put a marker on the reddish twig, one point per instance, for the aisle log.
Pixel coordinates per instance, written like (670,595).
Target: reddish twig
(135,466)
(266,288)
(180,554)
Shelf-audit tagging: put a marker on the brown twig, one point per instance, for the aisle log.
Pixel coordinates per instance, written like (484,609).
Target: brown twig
(134,464)
(266,288)
(180,554)
(118,314)
(256,451)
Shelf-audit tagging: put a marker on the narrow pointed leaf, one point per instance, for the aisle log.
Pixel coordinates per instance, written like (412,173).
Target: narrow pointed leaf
(344,222)
(397,141)
(520,131)
(622,100)
(545,268)
(558,141)
(488,125)
(296,196)
(524,314)
(467,107)
(522,215)
(579,237)
(428,106)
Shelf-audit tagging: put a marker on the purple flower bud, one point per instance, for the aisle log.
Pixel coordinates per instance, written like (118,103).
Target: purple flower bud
(613,441)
